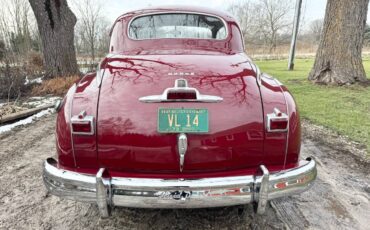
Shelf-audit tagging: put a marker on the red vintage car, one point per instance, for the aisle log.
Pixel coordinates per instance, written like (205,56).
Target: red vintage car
(177,116)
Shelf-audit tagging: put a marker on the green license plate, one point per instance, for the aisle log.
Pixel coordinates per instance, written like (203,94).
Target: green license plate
(182,120)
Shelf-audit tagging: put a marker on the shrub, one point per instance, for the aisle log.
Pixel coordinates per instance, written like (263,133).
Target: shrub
(16,76)
(35,62)
(12,81)
(56,86)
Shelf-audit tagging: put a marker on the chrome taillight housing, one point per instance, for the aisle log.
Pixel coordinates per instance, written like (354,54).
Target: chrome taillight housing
(277,121)
(82,124)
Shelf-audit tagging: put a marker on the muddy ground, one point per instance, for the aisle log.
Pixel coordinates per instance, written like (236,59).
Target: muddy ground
(340,199)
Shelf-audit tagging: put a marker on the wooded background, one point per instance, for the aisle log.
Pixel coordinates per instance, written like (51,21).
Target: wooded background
(266,26)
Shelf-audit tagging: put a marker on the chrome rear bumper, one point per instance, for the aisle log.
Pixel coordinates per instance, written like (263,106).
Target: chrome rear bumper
(177,193)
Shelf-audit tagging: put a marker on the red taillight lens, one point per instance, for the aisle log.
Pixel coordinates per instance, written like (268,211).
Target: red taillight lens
(278,124)
(277,121)
(178,95)
(82,127)
(82,124)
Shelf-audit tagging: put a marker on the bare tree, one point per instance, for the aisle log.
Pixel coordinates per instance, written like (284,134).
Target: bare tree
(243,11)
(316,29)
(104,38)
(16,21)
(5,34)
(18,60)
(91,25)
(367,35)
(19,14)
(338,59)
(263,21)
(56,24)
(273,17)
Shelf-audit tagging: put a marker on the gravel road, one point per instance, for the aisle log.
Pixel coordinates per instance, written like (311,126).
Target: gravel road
(339,200)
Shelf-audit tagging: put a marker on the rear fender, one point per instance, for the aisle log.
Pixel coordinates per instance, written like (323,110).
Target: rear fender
(294,138)
(76,150)
(63,131)
(85,99)
(274,96)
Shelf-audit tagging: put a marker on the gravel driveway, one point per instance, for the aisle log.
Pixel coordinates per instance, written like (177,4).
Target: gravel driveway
(339,200)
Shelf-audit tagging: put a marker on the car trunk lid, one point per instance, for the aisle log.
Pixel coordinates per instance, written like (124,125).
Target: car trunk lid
(129,138)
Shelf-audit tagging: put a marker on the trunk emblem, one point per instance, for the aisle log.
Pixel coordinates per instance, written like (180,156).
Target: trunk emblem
(182,144)
(181,74)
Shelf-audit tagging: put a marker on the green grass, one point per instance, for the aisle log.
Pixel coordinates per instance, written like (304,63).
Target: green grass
(343,109)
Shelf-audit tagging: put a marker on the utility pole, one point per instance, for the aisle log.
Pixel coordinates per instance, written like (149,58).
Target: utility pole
(297,16)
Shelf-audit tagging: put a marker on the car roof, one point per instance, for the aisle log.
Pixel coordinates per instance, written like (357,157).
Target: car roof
(179,8)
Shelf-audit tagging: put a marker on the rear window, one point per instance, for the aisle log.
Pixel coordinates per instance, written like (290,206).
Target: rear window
(177,25)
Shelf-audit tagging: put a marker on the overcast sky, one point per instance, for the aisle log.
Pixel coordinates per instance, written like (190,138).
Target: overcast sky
(312,9)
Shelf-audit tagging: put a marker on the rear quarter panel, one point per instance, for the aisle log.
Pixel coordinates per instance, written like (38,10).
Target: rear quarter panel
(284,145)
(78,151)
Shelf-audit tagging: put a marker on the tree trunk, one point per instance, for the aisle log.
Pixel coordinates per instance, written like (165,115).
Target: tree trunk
(338,58)
(93,52)
(56,23)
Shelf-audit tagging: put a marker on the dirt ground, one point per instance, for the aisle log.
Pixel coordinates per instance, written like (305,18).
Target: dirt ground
(340,199)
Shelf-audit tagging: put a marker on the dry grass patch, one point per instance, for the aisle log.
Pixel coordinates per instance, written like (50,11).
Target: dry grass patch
(56,86)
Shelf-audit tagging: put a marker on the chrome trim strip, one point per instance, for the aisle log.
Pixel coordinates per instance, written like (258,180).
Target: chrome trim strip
(258,74)
(278,82)
(177,12)
(287,113)
(288,125)
(180,88)
(70,123)
(58,105)
(178,193)
(99,75)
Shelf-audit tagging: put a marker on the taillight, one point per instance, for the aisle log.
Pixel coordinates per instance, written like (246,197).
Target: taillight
(81,128)
(178,95)
(277,121)
(82,124)
(278,124)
